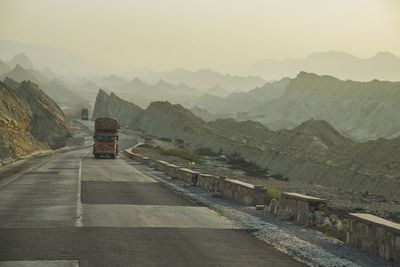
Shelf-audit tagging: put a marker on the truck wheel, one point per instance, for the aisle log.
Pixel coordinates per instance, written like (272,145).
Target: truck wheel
(96,156)
(113,156)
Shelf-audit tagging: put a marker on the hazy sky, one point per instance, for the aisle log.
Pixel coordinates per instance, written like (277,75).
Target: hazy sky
(163,34)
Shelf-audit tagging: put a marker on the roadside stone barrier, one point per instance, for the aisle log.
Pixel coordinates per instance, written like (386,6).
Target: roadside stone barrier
(233,189)
(160,165)
(210,182)
(298,208)
(188,176)
(243,192)
(374,235)
(365,232)
(172,170)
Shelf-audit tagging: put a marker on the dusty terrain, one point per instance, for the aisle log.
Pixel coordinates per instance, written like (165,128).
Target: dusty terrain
(339,201)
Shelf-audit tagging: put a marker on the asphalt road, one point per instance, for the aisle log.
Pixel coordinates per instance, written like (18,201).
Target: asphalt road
(74,210)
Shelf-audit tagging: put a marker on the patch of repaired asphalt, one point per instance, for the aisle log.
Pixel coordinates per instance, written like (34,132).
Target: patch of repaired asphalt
(110,246)
(131,193)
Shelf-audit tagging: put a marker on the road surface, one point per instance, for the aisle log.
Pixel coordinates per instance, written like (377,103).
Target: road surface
(74,210)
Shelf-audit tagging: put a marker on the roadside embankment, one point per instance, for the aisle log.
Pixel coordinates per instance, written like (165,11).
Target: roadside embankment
(301,209)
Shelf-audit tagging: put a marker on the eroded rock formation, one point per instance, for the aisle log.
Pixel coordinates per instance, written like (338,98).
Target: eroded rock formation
(29,120)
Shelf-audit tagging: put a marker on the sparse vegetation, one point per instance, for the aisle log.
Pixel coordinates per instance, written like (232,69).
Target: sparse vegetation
(165,139)
(278,176)
(206,151)
(179,142)
(273,193)
(182,153)
(250,168)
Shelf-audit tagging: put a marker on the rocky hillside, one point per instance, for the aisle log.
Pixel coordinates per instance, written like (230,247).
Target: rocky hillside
(29,120)
(314,151)
(15,124)
(362,110)
(204,79)
(110,105)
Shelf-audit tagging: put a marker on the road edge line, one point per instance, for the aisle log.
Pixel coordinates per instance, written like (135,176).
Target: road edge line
(78,222)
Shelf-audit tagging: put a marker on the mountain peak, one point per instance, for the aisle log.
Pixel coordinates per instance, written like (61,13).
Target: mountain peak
(23,60)
(137,82)
(161,82)
(322,130)
(19,74)
(111,80)
(18,67)
(330,55)
(385,55)
(303,75)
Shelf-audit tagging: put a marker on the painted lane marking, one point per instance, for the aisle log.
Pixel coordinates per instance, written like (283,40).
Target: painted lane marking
(78,222)
(55,263)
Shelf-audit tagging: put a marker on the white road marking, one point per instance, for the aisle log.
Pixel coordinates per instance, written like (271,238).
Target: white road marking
(78,222)
(56,263)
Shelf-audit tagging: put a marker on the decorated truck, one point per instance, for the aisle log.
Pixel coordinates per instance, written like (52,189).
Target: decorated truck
(105,138)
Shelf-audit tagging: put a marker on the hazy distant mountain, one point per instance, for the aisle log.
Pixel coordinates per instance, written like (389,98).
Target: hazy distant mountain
(49,73)
(19,74)
(69,101)
(22,60)
(382,66)
(132,86)
(142,93)
(217,90)
(110,81)
(58,91)
(88,91)
(59,60)
(206,115)
(242,101)
(4,68)
(205,79)
(90,86)
(164,88)
(39,76)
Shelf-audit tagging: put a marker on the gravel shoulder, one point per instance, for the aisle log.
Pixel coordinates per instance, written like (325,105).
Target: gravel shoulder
(308,246)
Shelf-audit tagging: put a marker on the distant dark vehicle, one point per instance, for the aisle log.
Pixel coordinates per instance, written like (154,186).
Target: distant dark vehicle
(85,114)
(105,138)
